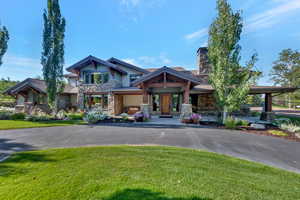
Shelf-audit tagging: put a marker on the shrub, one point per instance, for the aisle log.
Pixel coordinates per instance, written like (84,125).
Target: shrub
(242,123)
(124,116)
(230,123)
(141,117)
(39,118)
(4,115)
(290,127)
(255,114)
(278,122)
(61,115)
(195,118)
(18,116)
(95,116)
(75,116)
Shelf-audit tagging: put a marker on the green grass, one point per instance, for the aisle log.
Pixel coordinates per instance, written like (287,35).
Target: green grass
(19,124)
(277,132)
(140,173)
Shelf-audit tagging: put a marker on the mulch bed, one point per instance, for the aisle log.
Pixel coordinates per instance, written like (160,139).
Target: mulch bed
(249,130)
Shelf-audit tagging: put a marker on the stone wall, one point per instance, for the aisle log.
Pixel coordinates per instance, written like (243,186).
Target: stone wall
(97,88)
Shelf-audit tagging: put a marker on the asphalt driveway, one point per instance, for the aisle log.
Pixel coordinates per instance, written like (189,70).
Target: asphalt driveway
(268,150)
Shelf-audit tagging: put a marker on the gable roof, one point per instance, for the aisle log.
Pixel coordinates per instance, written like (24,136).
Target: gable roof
(128,65)
(168,70)
(38,85)
(91,59)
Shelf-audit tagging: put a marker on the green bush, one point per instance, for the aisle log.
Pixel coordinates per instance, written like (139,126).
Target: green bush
(38,118)
(75,116)
(290,127)
(18,116)
(231,123)
(4,115)
(242,123)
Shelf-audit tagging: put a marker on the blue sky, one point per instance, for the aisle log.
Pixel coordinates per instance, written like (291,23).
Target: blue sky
(149,33)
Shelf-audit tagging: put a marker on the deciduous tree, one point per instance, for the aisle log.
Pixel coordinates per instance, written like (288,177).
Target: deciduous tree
(53,50)
(230,80)
(4,37)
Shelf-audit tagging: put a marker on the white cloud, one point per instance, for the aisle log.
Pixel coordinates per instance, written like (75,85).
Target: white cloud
(197,35)
(273,15)
(21,61)
(129,3)
(149,61)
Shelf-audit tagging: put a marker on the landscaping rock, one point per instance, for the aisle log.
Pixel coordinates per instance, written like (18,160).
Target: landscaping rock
(298,135)
(258,126)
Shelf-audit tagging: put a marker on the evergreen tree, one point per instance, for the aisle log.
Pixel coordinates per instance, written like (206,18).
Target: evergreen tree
(230,80)
(286,72)
(4,37)
(53,50)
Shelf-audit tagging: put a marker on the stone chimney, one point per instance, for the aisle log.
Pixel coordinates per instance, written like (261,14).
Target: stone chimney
(202,60)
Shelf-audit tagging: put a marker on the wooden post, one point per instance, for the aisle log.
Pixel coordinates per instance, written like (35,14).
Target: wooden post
(145,94)
(268,102)
(186,99)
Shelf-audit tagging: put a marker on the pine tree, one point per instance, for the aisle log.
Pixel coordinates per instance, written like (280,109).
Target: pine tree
(53,50)
(4,37)
(230,80)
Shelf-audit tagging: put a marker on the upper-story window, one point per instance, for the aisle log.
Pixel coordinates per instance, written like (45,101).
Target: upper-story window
(133,77)
(96,77)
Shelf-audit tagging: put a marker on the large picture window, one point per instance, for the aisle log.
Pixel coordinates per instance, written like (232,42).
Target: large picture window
(96,77)
(96,101)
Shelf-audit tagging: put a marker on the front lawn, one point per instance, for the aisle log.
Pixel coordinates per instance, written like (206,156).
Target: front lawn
(140,173)
(19,124)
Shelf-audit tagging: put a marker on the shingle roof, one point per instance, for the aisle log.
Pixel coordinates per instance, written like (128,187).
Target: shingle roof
(38,85)
(90,59)
(71,75)
(253,89)
(128,65)
(168,70)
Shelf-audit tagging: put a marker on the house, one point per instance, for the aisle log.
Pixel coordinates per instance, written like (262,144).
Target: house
(117,87)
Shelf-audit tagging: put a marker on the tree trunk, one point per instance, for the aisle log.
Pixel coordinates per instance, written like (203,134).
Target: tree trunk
(224,115)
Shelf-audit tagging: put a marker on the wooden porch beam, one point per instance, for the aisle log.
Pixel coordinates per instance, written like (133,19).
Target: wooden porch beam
(268,102)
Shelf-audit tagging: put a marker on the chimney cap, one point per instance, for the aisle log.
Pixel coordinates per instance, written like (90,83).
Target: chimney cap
(202,50)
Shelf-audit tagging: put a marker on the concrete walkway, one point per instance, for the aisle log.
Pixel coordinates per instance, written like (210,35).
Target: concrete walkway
(268,150)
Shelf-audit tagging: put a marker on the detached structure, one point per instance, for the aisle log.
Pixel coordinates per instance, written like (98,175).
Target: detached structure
(120,87)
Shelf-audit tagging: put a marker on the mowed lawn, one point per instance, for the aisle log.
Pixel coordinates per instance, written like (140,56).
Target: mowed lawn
(140,173)
(19,124)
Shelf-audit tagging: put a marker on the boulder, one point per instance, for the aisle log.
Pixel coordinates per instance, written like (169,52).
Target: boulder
(258,126)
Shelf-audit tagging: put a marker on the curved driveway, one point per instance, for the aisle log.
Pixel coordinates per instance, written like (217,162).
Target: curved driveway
(268,150)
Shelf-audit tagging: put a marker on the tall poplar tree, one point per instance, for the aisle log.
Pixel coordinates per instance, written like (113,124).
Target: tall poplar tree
(230,80)
(53,50)
(4,37)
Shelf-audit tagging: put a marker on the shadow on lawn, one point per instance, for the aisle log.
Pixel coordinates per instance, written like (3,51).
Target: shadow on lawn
(143,194)
(8,166)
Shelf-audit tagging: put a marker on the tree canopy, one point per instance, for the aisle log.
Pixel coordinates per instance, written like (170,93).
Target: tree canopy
(230,80)
(4,37)
(53,49)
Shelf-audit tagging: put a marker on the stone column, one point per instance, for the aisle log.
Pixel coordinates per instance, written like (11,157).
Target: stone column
(111,104)
(80,98)
(145,108)
(186,111)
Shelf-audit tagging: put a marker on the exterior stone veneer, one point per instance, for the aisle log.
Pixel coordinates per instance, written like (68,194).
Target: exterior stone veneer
(186,111)
(97,88)
(145,108)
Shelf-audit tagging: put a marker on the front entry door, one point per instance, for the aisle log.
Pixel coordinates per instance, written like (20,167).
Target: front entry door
(165,104)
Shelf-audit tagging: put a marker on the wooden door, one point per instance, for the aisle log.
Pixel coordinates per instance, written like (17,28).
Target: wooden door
(165,104)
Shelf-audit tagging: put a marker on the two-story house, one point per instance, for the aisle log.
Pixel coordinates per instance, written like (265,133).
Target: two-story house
(117,87)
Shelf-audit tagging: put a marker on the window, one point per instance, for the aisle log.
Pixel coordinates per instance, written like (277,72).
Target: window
(133,77)
(96,101)
(96,77)
(175,102)
(156,102)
